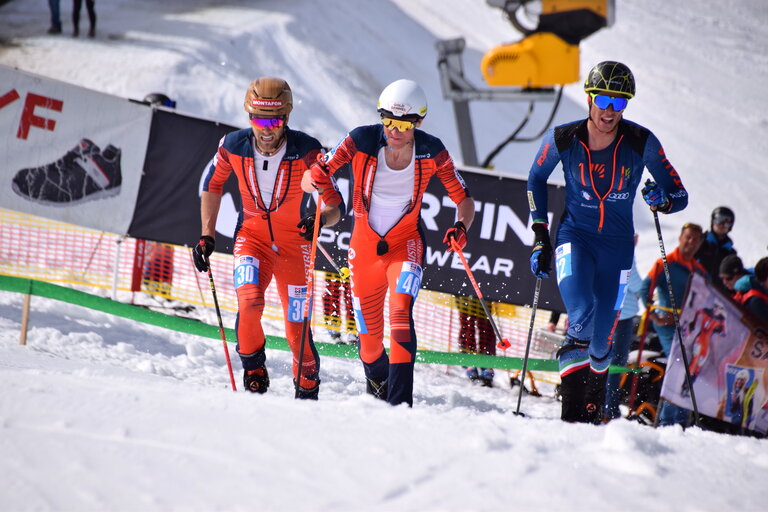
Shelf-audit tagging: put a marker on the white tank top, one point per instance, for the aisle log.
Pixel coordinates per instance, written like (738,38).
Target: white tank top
(391,194)
(265,168)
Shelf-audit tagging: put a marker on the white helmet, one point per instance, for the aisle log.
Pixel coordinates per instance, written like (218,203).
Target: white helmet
(403,99)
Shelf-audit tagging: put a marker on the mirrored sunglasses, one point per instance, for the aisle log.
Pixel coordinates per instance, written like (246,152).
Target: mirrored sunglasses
(719,219)
(602,102)
(262,123)
(398,124)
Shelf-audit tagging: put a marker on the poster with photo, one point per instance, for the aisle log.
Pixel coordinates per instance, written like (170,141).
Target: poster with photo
(727,354)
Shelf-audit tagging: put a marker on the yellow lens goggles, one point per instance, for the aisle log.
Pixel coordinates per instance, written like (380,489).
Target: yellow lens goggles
(397,124)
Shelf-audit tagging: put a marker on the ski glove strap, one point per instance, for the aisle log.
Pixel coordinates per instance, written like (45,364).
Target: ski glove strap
(541,255)
(655,197)
(307,226)
(457,232)
(202,251)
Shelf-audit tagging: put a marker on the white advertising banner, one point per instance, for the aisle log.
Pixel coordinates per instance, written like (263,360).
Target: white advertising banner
(68,153)
(727,358)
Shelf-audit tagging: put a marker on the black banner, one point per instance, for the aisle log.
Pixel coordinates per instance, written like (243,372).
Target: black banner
(168,206)
(499,242)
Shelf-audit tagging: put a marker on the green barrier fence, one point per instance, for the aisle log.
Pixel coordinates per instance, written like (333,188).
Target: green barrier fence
(198,328)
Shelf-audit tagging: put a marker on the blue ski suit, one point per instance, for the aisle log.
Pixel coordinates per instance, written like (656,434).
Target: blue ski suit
(594,244)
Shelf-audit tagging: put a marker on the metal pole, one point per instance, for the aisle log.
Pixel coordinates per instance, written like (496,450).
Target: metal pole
(116,269)
(677,320)
(528,344)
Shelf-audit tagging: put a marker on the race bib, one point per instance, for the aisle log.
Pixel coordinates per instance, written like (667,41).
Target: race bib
(246,271)
(563,261)
(409,281)
(297,295)
(359,320)
(623,281)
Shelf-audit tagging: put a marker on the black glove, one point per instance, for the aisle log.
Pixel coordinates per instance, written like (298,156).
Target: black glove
(541,255)
(202,251)
(307,226)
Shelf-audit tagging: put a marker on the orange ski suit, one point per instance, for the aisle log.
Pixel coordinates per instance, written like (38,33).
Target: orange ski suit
(392,262)
(267,243)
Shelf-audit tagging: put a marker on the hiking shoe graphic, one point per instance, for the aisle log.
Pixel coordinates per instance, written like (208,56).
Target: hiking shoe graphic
(83,174)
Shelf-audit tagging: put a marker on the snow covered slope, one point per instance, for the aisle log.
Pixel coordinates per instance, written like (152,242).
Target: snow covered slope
(98,413)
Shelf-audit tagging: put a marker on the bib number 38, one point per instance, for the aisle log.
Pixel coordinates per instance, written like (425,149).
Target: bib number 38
(297,295)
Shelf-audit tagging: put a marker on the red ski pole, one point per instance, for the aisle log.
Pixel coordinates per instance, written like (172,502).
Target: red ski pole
(221,327)
(503,342)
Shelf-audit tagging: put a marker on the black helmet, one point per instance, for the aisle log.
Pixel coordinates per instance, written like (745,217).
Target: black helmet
(610,76)
(722,214)
(158,99)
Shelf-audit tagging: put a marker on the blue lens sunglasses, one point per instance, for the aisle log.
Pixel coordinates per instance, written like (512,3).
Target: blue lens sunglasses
(602,102)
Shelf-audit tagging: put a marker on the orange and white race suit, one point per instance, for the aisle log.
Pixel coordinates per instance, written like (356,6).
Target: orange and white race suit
(267,243)
(391,261)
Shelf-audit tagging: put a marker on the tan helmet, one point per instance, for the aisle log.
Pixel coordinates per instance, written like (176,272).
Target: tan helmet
(269,96)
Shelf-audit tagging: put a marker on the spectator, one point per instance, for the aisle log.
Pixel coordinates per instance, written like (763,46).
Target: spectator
(554,319)
(91,6)
(476,336)
(55,16)
(603,158)
(157,274)
(622,337)
(752,291)
(731,270)
(337,286)
(681,265)
(717,244)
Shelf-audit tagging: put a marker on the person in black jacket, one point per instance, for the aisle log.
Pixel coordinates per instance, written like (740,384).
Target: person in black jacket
(717,244)
(90,5)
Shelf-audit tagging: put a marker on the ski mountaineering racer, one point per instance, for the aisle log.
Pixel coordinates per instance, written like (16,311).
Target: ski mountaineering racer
(391,164)
(269,160)
(603,158)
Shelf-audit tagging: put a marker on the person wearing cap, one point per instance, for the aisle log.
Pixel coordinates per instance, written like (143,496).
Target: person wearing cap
(730,271)
(717,244)
(391,164)
(603,158)
(269,160)
(752,291)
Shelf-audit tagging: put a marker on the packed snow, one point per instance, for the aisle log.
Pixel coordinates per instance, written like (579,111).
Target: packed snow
(101,413)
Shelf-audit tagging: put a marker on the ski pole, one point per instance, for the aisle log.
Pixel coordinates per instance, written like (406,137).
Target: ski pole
(221,326)
(503,342)
(310,275)
(675,316)
(343,271)
(528,344)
